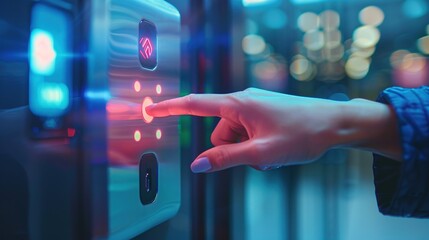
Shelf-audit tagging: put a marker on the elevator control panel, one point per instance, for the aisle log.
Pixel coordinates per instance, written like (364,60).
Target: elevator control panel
(143,67)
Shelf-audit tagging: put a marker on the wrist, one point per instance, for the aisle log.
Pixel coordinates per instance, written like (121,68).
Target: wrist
(367,125)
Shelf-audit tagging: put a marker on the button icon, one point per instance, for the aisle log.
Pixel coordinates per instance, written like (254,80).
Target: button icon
(146,48)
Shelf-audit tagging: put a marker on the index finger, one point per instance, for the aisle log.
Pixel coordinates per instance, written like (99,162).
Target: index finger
(205,105)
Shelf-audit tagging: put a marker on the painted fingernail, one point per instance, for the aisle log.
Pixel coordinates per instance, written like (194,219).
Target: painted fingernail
(201,165)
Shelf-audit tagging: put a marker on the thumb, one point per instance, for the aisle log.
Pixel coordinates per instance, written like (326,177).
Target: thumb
(225,156)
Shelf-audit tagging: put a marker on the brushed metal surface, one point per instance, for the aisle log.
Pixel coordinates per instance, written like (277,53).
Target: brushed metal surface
(115,27)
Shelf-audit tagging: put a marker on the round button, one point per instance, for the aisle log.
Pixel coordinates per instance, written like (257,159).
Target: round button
(158,134)
(137,136)
(146,102)
(137,86)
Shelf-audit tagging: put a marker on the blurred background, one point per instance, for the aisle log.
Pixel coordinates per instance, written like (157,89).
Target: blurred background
(319,48)
(331,49)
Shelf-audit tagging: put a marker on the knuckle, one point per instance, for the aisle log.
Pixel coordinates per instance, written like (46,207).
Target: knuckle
(250,89)
(214,139)
(222,158)
(189,102)
(259,150)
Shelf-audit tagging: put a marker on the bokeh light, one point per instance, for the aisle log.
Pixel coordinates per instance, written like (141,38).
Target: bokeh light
(415,8)
(314,40)
(301,68)
(253,44)
(413,62)
(308,21)
(357,67)
(366,36)
(412,71)
(251,27)
(329,20)
(397,57)
(334,54)
(332,38)
(371,15)
(423,44)
(315,56)
(363,52)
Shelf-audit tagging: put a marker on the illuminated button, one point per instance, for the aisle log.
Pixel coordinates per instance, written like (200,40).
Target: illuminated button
(146,102)
(137,136)
(147,45)
(53,95)
(42,52)
(158,89)
(158,134)
(137,86)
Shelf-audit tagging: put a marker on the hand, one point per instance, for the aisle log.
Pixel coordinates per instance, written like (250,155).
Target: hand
(267,130)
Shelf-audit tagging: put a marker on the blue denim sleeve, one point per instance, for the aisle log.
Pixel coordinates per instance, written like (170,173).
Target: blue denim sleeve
(402,188)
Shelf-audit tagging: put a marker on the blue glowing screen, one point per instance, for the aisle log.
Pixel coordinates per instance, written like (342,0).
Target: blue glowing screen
(49,60)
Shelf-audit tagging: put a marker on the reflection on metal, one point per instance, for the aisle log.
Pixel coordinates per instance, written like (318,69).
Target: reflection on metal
(119,87)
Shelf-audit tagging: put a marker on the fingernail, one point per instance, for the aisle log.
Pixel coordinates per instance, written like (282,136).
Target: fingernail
(201,165)
(150,107)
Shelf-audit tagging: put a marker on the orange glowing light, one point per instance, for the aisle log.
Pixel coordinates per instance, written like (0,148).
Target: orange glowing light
(158,89)
(146,102)
(137,136)
(137,86)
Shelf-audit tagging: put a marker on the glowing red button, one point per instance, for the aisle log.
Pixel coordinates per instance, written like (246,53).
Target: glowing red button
(146,102)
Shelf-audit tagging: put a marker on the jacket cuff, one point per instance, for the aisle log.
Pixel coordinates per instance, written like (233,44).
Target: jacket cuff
(402,188)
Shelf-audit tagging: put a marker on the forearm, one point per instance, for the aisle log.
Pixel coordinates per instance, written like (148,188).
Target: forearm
(368,125)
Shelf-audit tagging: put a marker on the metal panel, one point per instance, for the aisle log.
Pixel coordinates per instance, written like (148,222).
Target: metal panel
(116,98)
